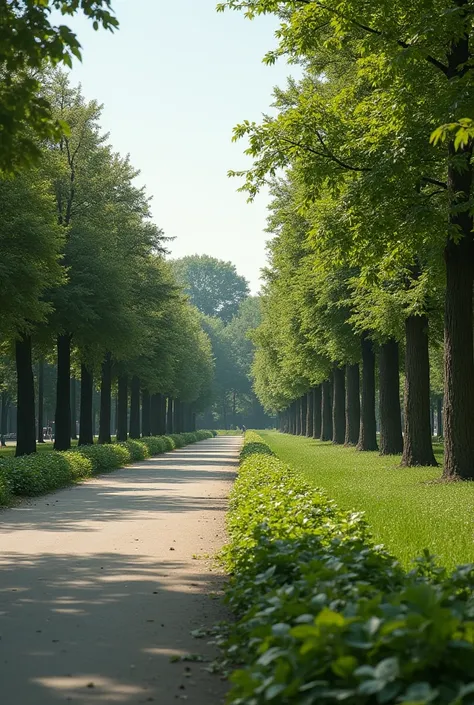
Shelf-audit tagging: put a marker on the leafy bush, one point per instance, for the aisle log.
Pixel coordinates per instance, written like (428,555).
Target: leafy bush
(324,615)
(105,458)
(137,449)
(155,444)
(35,474)
(5,486)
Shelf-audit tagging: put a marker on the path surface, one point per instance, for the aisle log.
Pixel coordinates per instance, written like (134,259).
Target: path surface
(100,584)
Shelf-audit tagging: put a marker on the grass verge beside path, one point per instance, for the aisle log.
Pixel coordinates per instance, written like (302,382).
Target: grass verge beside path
(405,510)
(31,475)
(326,617)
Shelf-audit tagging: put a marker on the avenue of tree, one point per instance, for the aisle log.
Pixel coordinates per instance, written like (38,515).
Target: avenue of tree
(85,286)
(372,255)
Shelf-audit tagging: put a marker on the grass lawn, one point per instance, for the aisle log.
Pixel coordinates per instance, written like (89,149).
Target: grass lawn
(405,511)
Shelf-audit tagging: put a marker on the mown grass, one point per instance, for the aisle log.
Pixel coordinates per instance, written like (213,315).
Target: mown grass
(406,510)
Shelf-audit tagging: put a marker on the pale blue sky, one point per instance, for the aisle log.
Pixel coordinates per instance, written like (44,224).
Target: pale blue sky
(174,81)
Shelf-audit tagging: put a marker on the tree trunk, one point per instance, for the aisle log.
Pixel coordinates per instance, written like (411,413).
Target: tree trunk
(309,413)
(73,409)
(317,404)
(352,405)
(40,401)
(458,348)
(169,415)
(303,414)
(155,411)
(86,432)
(440,417)
(146,414)
(4,418)
(326,412)
(162,431)
(25,412)
(122,408)
(368,426)
(135,408)
(298,417)
(105,400)
(339,406)
(62,419)
(391,439)
(418,448)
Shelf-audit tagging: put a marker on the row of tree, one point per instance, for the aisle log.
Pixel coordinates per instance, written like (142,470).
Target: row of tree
(230,316)
(83,271)
(373,222)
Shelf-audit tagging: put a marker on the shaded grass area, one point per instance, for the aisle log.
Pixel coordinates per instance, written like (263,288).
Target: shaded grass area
(406,510)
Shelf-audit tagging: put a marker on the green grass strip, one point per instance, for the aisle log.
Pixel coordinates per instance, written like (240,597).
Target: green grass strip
(408,509)
(326,616)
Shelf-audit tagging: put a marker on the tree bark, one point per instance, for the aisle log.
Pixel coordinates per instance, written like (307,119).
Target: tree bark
(155,411)
(391,439)
(40,401)
(440,417)
(339,406)
(317,403)
(86,433)
(73,409)
(122,408)
(352,405)
(326,412)
(4,418)
(146,413)
(298,417)
(135,408)
(62,419)
(105,400)
(368,427)
(169,416)
(303,414)
(458,321)
(25,412)
(418,448)
(162,429)
(309,413)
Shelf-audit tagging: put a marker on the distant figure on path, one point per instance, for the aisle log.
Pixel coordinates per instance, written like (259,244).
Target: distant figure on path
(243,429)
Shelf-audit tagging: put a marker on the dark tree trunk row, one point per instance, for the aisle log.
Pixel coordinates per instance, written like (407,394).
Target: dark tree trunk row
(368,427)
(135,408)
(352,405)
(26,425)
(339,406)
(86,430)
(391,439)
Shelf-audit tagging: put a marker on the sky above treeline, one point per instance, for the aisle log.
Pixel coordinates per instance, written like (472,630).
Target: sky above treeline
(174,80)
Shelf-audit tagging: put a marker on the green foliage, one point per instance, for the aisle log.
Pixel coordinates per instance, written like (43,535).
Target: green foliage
(29,42)
(105,458)
(400,504)
(324,615)
(32,475)
(35,474)
(213,285)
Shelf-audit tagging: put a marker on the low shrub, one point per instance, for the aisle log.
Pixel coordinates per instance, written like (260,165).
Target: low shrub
(324,615)
(35,474)
(105,458)
(155,444)
(6,494)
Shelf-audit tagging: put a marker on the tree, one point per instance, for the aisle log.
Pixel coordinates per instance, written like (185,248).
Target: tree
(212,285)
(412,73)
(30,42)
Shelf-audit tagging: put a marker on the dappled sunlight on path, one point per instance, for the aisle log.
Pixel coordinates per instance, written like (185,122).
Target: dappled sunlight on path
(101,583)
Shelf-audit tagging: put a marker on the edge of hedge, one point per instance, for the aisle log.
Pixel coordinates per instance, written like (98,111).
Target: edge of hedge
(37,474)
(323,614)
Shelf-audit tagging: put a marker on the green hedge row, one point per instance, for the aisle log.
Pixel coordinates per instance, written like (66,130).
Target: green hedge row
(324,615)
(35,474)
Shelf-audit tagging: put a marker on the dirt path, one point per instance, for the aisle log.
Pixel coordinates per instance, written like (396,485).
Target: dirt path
(101,584)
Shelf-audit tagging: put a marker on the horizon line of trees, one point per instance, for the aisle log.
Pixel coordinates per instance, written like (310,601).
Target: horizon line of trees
(372,220)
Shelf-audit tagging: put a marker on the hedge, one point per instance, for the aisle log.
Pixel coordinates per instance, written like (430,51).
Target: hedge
(325,616)
(32,475)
